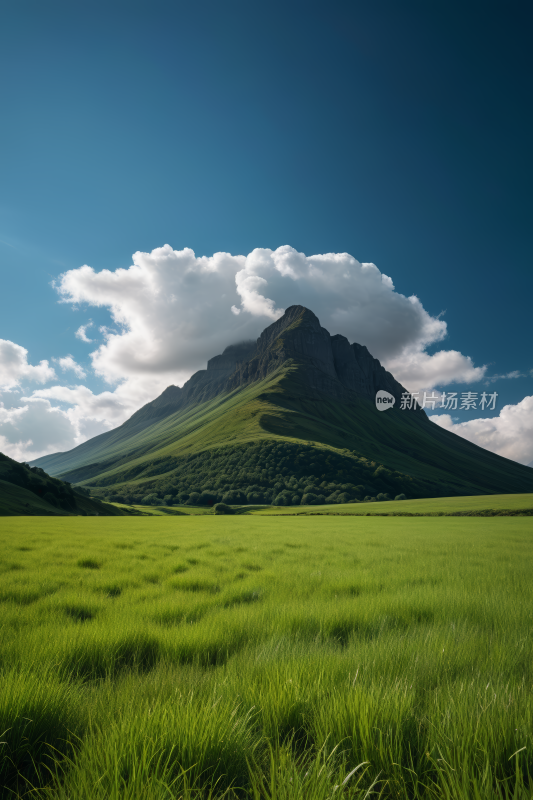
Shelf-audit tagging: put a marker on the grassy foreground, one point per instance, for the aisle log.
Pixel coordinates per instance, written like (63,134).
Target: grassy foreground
(310,658)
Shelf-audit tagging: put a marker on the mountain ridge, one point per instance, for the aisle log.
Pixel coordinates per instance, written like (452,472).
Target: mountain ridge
(299,385)
(247,362)
(244,363)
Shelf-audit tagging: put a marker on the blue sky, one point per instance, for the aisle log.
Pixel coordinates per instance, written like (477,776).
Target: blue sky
(397,132)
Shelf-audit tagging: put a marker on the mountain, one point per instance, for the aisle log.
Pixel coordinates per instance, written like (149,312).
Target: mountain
(26,491)
(289,417)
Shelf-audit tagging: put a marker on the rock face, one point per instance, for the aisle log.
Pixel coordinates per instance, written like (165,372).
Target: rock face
(232,355)
(361,372)
(299,335)
(330,365)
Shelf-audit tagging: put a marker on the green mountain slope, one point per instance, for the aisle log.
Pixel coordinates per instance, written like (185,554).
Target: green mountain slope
(292,417)
(31,492)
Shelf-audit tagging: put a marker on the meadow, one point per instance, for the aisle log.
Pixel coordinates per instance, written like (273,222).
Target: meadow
(476,504)
(266,658)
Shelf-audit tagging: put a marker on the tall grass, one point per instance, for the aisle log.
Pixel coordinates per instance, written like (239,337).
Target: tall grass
(316,658)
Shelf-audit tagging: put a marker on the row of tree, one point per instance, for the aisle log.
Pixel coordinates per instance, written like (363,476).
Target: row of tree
(208,498)
(269,472)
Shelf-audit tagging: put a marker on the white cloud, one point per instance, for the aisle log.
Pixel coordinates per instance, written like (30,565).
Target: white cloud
(34,429)
(81,333)
(91,414)
(35,425)
(510,434)
(417,370)
(110,408)
(350,298)
(14,366)
(172,312)
(509,375)
(68,363)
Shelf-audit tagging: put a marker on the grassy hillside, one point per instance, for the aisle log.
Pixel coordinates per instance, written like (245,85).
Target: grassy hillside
(288,420)
(316,442)
(15,501)
(335,444)
(296,659)
(26,491)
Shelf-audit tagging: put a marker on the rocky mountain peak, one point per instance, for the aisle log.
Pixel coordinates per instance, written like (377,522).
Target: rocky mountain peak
(298,335)
(294,318)
(330,365)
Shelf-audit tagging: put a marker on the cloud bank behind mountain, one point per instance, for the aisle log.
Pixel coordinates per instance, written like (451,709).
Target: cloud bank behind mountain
(172,311)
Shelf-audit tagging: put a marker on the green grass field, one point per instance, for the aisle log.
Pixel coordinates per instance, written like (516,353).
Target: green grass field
(433,505)
(312,658)
(165,511)
(476,504)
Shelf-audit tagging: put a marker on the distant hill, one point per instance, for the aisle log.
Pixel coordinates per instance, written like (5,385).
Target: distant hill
(26,491)
(288,419)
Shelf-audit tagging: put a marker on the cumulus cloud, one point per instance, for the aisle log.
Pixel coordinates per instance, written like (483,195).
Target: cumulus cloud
(418,370)
(81,333)
(172,311)
(34,429)
(349,297)
(510,434)
(107,408)
(92,413)
(35,425)
(68,363)
(14,366)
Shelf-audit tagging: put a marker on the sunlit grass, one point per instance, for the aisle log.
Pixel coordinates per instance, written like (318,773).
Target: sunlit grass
(260,658)
(430,506)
